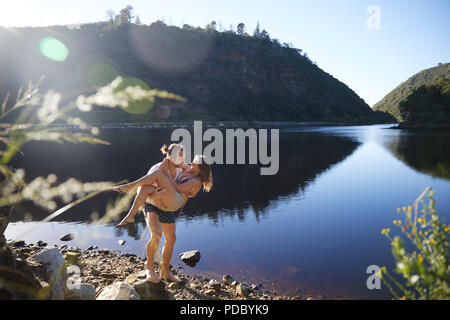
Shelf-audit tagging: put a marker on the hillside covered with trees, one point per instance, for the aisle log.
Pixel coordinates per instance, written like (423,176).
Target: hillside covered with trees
(224,75)
(391,103)
(428,105)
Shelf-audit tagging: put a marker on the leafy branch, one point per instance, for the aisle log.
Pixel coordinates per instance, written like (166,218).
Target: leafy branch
(426,270)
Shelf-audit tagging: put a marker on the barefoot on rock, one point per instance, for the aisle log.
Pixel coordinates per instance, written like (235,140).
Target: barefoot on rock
(152,276)
(170,277)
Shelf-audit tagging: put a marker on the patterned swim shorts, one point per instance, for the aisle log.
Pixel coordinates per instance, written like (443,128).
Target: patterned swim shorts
(163,216)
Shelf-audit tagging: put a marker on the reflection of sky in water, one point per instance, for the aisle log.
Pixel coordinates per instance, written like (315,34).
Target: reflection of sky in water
(360,133)
(319,240)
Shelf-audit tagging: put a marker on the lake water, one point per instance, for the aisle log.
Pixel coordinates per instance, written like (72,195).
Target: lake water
(312,229)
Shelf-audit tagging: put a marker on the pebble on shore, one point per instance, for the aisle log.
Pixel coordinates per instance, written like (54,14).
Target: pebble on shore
(103,268)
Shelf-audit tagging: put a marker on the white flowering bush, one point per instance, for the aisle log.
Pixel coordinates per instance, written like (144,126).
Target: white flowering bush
(36,116)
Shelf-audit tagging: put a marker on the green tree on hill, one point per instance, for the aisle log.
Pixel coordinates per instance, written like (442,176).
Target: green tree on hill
(125,17)
(429,104)
(240,29)
(265,35)
(211,26)
(257,32)
(138,20)
(126,14)
(111,17)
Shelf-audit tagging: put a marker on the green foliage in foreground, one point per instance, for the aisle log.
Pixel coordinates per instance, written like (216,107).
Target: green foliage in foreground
(429,104)
(37,113)
(426,269)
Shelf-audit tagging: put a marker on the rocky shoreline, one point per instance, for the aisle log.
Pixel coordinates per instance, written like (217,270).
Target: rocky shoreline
(101,274)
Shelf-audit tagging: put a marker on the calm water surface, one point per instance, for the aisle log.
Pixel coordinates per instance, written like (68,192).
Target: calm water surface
(314,228)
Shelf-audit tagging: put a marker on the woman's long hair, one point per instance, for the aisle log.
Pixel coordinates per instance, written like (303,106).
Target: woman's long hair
(205,172)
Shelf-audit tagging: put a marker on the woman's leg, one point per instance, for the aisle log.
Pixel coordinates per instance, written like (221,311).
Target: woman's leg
(152,246)
(155,177)
(139,202)
(168,229)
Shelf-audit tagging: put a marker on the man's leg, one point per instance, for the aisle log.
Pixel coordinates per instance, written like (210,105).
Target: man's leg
(168,230)
(152,246)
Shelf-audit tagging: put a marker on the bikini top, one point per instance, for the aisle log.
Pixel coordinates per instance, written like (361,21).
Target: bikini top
(184,180)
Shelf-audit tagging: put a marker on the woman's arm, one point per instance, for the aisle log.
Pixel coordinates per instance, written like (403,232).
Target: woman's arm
(164,167)
(189,187)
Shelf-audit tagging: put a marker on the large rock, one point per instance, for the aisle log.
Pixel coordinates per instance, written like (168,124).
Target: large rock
(85,291)
(242,290)
(7,259)
(190,257)
(17,279)
(118,291)
(67,237)
(19,244)
(54,262)
(5,213)
(227,279)
(215,284)
(210,292)
(151,291)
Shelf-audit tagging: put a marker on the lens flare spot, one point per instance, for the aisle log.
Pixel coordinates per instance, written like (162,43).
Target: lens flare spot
(163,112)
(53,49)
(101,74)
(136,107)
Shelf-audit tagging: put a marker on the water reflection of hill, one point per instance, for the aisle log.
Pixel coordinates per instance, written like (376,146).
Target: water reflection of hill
(303,156)
(416,151)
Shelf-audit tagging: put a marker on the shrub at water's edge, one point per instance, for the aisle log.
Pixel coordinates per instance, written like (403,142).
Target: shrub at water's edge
(425,270)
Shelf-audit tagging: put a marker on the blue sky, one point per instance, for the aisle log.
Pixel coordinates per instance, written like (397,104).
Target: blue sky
(413,34)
